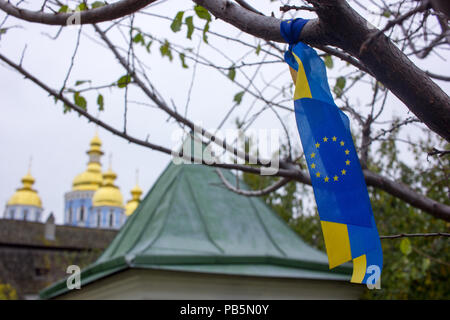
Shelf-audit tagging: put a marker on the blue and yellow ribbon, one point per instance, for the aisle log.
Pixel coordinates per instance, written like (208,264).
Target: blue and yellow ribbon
(343,203)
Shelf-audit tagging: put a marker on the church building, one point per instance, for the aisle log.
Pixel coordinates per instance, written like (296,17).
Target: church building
(25,203)
(94,201)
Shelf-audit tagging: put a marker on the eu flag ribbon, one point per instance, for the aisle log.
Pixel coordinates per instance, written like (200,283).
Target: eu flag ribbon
(347,220)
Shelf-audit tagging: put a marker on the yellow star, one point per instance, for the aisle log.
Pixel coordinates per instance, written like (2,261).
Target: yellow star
(347,162)
(325,139)
(313,155)
(313,166)
(318,174)
(334,138)
(343,172)
(317,145)
(326,179)
(347,152)
(342,143)
(335,178)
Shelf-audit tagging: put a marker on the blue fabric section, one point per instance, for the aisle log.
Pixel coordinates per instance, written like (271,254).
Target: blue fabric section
(290,29)
(362,239)
(374,260)
(289,58)
(345,200)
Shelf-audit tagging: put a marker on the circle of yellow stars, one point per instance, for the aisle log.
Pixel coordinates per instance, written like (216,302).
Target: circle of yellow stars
(313,156)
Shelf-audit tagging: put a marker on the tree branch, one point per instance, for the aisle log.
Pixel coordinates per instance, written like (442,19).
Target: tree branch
(412,235)
(425,5)
(178,117)
(254,193)
(106,13)
(260,26)
(60,96)
(405,193)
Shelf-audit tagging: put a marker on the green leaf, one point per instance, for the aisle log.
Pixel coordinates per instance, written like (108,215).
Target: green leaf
(340,82)
(258,49)
(190,24)
(81,7)
(64,9)
(80,82)
(232,73)
(339,86)
(183,62)
(202,13)
(100,103)
(124,81)
(405,246)
(148,46)
(238,97)
(66,108)
(205,30)
(328,61)
(177,22)
(139,39)
(80,100)
(97,4)
(165,50)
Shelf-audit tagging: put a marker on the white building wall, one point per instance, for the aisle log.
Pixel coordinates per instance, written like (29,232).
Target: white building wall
(162,284)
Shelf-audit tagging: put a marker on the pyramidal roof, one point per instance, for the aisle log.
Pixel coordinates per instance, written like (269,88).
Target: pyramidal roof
(189,221)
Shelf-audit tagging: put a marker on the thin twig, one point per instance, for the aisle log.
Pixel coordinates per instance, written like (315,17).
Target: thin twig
(412,235)
(287,8)
(437,152)
(422,7)
(255,193)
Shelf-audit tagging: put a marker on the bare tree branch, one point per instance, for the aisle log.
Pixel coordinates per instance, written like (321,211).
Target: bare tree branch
(437,76)
(425,5)
(137,141)
(405,193)
(106,13)
(254,193)
(413,235)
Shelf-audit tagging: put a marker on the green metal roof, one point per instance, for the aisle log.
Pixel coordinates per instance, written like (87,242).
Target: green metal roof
(189,221)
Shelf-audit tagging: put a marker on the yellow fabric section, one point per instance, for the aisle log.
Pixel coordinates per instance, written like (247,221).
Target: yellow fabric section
(359,269)
(302,89)
(337,243)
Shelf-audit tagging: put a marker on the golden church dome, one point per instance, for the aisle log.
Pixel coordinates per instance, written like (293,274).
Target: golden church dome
(108,194)
(132,204)
(26,196)
(91,179)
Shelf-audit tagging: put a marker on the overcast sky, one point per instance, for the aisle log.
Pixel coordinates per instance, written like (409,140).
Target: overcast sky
(32,125)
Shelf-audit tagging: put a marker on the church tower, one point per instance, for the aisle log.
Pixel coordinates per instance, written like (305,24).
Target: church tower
(132,204)
(78,201)
(25,204)
(107,204)
(136,193)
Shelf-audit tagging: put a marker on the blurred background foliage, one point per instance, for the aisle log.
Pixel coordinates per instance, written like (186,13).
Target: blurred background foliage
(7,292)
